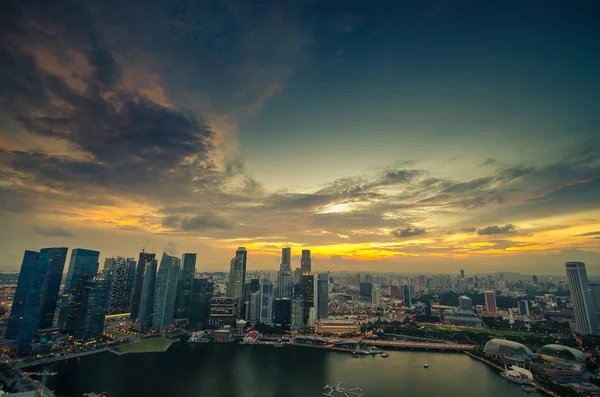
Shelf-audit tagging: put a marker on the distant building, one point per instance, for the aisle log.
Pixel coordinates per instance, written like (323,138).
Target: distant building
(138,284)
(306,263)
(122,286)
(406,296)
(285,283)
(19,303)
(144,320)
(184,287)
(266,302)
(223,311)
(534,279)
(465,303)
(586,320)
(237,274)
(94,305)
(286,259)
(199,304)
(282,312)
(312,316)
(42,296)
(297,314)
(308,295)
(297,275)
(337,326)
(166,292)
(462,274)
(365,290)
(507,349)
(595,292)
(523,307)
(428,308)
(75,305)
(463,319)
(376,295)
(490,303)
(110,264)
(322,296)
(395,292)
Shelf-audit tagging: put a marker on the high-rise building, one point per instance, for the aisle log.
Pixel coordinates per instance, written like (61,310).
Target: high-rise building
(184,288)
(428,305)
(282,312)
(366,290)
(94,304)
(595,292)
(144,320)
(266,302)
(122,286)
(465,303)
(322,296)
(286,258)
(586,320)
(223,311)
(534,279)
(74,306)
(297,313)
(395,292)
(83,264)
(297,275)
(237,274)
(43,295)
(166,292)
(523,307)
(110,264)
(200,299)
(308,290)
(306,263)
(253,312)
(406,296)
(285,284)
(462,274)
(490,303)
(136,297)
(19,303)
(358,279)
(375,295)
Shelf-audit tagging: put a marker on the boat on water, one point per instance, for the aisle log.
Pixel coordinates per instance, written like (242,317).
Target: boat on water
(199,337)
(92,394)
(517,374)
(529,389)
(426,366)
(385,355)
(279,343)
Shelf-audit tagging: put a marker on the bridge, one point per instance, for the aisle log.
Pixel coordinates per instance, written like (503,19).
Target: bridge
(39,373)
(419,345)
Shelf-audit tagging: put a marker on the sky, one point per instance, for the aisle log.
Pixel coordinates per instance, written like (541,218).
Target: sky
(385,136)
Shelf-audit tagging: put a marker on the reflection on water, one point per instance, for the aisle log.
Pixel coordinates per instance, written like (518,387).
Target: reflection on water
(188,370)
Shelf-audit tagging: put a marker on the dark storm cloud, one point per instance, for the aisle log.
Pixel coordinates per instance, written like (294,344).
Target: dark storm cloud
(469,230)
(492,230)
(53,231)
(408,231)
(205,221)
(589,234)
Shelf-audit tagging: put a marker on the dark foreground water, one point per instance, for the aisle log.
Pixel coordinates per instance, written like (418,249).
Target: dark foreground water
(207,370)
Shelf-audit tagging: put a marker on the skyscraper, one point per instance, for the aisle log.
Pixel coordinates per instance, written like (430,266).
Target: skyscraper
(285,284)
(136,297)
(306,263)
(75,305)
(376,294)
(406,297)
(43,295)
(110,264)
(490,302)
(286,258)
(253,313)
(322,296)
(308,291)
(586,321)
(237,274)
(266,302)
(462,274)
(122,286)
(595,292)
(26,277)
(184,288)
(297,313)
(166,292)
(534,279)
(94,304)
(395,292)
(200,299)
(465,303)
(144,320)
(282,312)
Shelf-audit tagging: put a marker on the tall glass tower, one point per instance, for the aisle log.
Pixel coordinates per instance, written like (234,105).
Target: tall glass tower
(237,274)
(144,320)
(586,322)
(184,288)
(26,277)
(83,263)
(138,284)
(306,263)
(166,292)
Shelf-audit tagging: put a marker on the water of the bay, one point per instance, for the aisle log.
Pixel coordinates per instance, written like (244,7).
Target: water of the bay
(194,370)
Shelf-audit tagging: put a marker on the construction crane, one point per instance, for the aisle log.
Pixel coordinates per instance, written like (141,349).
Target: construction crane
(145,245)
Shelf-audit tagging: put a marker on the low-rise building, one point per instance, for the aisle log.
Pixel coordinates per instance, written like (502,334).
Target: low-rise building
(338,327)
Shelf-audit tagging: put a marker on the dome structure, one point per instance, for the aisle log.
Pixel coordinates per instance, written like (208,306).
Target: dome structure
(507,349)
(560,352)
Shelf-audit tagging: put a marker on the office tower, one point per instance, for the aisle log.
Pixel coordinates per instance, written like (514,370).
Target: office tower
(285,284)
(94,304)
(110,264)
(428,305)
(297,275)
(166,292)
(83,263)
(586,321)
(366,290)
(462,274)
(308,292)
(465,303)
(368,278)
(19,303)
(534,279)
(121,288)
(136,297)
(286,259)
(184,288)
(395,292)
(266,302)
(144,320)
(297,313)
(200,298)
(282,312)
(523,307)
(358,279)
(376,294)
(237,274)
(223,311)
(322,296)
(306,263)
(74,306)
(490,302)
(312,316)
(43,295)
(253,313)
(407,297)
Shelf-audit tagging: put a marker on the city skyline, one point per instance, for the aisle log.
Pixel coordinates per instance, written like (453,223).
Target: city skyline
(409,138)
